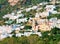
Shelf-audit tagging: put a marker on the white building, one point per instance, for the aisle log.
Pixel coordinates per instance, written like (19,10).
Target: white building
(50,8)
(58,23)
(21,20)
(28,9)
(34,7)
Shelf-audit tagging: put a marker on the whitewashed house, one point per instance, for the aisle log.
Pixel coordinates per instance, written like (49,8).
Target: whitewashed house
(34,7)
(12,13)
(27,33)
(19,11)
(39,33)
(44,14)
(21,20)
(7,16)
(50,8)
(28,9)
(21,27)
(54,21)
(58,23)
(37,15)
(18,35)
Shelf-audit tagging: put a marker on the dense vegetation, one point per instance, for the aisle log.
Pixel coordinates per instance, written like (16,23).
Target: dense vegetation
(52,38)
